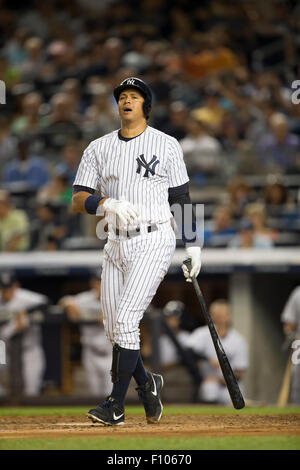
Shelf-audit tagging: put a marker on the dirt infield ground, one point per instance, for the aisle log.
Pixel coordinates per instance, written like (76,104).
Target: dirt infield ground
(179,425)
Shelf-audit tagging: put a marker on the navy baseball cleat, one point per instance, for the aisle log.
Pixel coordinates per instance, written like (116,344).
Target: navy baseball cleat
(109,412)
(149,395)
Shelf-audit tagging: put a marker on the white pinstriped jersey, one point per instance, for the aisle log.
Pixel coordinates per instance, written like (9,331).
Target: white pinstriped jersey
(139,170)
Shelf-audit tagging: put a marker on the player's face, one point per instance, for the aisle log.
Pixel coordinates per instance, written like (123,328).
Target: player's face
(131,105)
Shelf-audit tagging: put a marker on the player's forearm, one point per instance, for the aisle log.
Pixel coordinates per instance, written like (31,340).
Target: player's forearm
(79,202)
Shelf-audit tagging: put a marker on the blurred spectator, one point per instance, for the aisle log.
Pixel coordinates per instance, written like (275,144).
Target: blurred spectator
(51,243)
(277,199)
(50,227)
(213,58)
(291,326)
(201,151)
(221,229)
(16,304)
(136,57)
(7,141)
(169,355)
(14,226)
(58,190)
(14,49)
(259,126)
(112,53)
(35,59)
(256,213)
(211,112)
(96,349)
(71,155)
(9,74)
(64,58)
(72,88)
(100,117)
(38,19)
(279,150)
(176,124)
(253,232)
(30,122)
(276,194)
(245,236)
(213,388)
(63,125)
(27,169)
(240,194)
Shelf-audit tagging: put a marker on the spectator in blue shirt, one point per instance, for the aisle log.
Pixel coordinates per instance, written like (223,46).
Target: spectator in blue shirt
(26,168)
(221,229)
(280,150)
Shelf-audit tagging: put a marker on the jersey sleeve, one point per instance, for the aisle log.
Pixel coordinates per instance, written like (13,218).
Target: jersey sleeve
(196,340)
(177,173)
(87,172)
(240,359)
(291,311)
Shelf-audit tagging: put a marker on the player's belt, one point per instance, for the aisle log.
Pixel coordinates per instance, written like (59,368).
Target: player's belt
(135,231)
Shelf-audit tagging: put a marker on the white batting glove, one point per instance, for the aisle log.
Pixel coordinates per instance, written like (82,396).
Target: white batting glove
(194,253)
(123,209)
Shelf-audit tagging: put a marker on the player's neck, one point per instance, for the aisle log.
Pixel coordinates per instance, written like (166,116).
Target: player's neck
(133,129)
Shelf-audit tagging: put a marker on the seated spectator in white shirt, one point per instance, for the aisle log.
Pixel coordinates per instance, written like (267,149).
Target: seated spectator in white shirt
(213,388)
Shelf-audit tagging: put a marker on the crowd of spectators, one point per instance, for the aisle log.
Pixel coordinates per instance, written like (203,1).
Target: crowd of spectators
(221,75)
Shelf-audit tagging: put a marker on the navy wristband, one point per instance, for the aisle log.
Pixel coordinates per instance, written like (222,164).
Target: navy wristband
(91,204)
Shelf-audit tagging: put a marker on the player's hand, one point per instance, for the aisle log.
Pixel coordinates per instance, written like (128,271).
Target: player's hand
(194,253)
(126,212)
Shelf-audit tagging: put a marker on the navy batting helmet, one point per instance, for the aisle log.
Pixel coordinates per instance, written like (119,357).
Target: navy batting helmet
(133,82)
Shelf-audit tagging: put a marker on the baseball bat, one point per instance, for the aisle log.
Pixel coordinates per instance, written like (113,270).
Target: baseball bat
(284,393)
(229,377)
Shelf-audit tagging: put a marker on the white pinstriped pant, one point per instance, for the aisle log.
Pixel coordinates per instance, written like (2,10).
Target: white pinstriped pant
(131,273)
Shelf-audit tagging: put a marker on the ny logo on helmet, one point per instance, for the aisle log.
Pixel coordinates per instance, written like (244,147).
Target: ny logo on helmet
(130,81)
(142,163)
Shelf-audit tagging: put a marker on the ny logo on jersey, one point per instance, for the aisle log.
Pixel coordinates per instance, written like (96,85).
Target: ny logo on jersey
(142,163)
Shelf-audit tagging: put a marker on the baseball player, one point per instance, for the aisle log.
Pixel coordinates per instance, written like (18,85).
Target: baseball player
(15,303)
(96,349)
(291,325)
(132,176)
(168,353)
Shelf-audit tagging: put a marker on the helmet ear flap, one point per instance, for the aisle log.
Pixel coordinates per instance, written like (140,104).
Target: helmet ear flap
(147,109)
